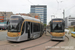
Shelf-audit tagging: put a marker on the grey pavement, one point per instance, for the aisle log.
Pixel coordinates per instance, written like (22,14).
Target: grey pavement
(3,35)
(71,43)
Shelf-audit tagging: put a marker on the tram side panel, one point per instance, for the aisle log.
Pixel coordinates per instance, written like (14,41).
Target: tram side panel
(36,30)
(25,34)
(33,33)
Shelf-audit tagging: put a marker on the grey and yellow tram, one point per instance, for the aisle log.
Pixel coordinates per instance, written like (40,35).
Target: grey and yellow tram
(57,29)
(23,28)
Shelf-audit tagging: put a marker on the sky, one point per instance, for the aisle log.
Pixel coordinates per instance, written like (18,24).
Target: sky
(54,7)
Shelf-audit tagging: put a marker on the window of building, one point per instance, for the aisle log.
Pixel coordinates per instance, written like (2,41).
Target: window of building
(39,11)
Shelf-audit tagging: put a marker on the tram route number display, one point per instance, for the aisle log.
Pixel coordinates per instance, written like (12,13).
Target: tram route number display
(14,18)
(57,21)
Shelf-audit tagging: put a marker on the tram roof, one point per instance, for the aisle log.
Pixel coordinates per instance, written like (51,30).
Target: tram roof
(27,17)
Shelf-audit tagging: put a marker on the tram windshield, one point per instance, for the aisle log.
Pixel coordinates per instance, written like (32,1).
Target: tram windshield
(14,28)
(15,24)
(57,27)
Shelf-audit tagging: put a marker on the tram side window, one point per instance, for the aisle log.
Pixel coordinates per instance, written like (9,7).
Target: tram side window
(31,27)
(34,30)
(23,28)
(26,27)
(39,27)
(36,27)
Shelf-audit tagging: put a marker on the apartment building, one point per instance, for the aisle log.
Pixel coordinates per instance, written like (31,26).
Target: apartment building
(69,21)
(6,14)
(41,10)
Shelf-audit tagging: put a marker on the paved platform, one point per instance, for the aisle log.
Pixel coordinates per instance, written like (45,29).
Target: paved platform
(4,45)
(71,43)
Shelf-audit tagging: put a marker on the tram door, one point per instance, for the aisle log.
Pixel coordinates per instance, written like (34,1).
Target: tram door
(28,29)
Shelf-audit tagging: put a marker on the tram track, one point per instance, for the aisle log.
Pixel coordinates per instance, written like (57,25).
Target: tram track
(40,44)
(4,44)
(10,43)
(56,43)
(30,46)
(45,43)
(53,45)
(36,45)
(67,37)
(26,47)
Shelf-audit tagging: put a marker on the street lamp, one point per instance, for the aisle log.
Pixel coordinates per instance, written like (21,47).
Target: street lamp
(58,8)
(66,10)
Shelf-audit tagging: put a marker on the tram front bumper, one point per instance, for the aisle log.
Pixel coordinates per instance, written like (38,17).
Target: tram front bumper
(57,38)
(14,39)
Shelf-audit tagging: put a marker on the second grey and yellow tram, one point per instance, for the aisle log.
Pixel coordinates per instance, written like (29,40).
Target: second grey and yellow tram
(57,29)
(23,28)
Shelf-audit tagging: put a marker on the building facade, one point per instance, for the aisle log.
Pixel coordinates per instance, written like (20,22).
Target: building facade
(6,15)
(41,10)
(69,21)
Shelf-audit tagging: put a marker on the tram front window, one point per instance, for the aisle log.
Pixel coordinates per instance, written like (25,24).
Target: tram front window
(14,28)
(57,27)
(15,24)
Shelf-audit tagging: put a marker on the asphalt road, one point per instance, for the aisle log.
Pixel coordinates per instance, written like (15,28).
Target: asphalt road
(3,35)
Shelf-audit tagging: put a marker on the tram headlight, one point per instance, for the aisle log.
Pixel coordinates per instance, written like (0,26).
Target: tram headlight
(63,32)
(19,33)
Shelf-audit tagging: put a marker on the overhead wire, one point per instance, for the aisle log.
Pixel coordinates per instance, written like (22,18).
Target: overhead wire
(70,8)
(30,1)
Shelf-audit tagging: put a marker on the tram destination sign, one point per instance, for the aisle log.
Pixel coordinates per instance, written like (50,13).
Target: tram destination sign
(14,18)
(57,20)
